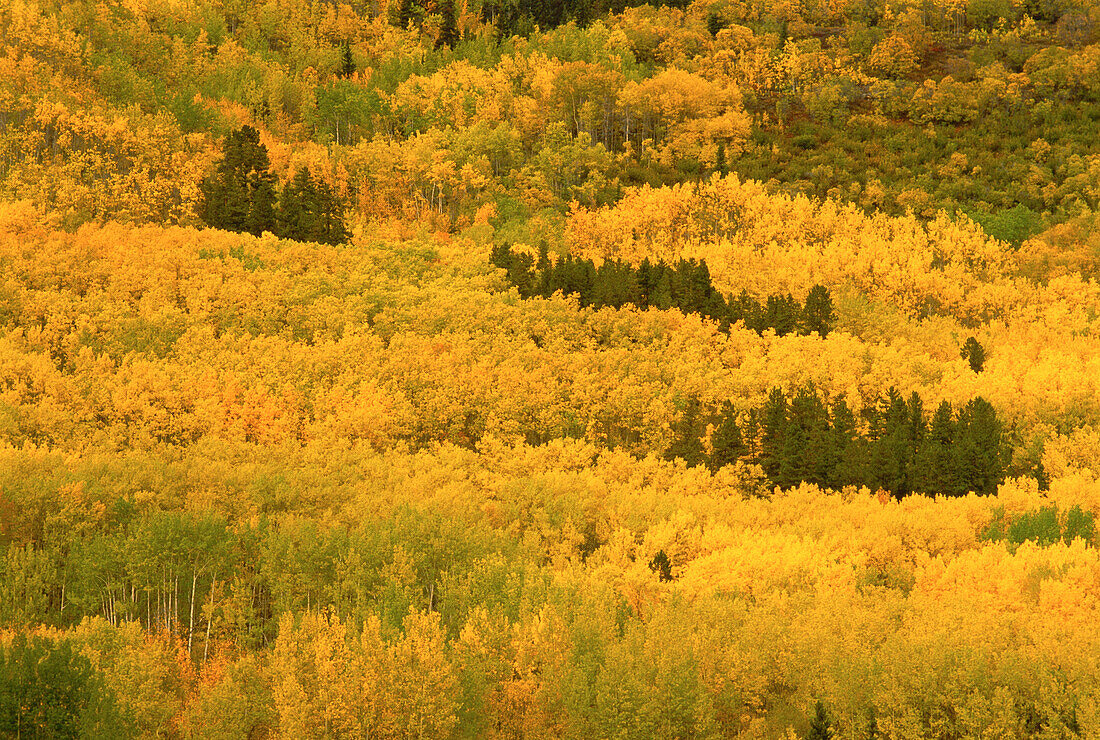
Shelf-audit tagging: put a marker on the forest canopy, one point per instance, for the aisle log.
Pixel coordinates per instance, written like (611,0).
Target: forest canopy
(498,369)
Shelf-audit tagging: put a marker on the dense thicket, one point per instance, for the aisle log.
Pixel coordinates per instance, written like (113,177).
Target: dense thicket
(685,285)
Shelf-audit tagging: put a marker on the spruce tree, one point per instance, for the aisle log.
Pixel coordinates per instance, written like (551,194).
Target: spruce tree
(773,426)
(745,308)
(821,727)
(448,31)
(688,444)
(817,313)
(240,195)
(661,565)
(852,449)
(406,14)
(310,210)
(973,351)
(727,442)
(545,270)
(714,23)
(347,61)
(980,447)
(892,444)
(936,468)
(806,443)
(782,314)
(501,256)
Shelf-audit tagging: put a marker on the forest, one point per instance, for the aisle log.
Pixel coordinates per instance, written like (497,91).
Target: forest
(556,369)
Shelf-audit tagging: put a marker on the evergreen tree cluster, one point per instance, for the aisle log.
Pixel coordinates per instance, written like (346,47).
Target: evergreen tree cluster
(891,445)
(685,285)
(240,196)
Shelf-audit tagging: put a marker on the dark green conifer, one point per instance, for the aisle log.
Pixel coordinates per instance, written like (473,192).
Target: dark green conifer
(240,195)
(661,565)
(727,442)
(448,31)
(980,447)
(936,469)
(347,61)
(687,443)
(817,313)
(973,351)
(821,726)
(310,210)
(773,426)
(782,313)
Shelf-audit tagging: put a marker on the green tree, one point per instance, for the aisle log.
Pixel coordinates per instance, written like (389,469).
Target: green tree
(727,442)
(773,426)
(936,469)
(817,313)
(782,313)
(408,12)
(688,444)
(1079,523)
(240,195)
(347,61)
(49,691)
(448,31)
(661,565)
(973,351)
(310,210)
(821,727)
(979,448)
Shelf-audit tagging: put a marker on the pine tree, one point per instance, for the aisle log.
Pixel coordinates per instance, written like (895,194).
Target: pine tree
(936,469)
(806,444)
(448,31)
(240,195)
(846,468)
(980,447)
(544,269)
(406,14)
(347,61)
(782,313)
(727,442)
(817,313)
(311,211)
(745,308)
(892,443)
(821,727)
(661,565)
(501,256)
(973,351)
(773,426)
(714,23)
(688,443)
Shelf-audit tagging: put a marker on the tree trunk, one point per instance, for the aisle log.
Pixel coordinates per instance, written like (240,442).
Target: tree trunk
(209,619)
(191,619)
